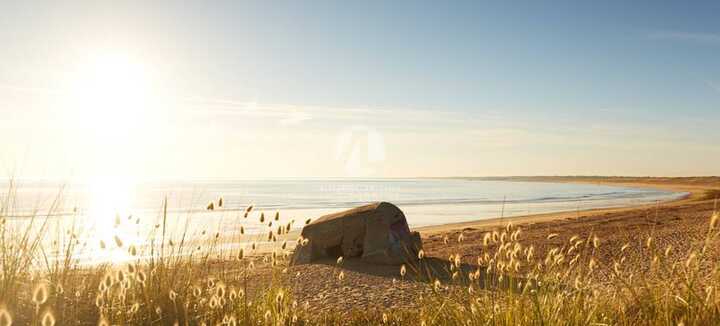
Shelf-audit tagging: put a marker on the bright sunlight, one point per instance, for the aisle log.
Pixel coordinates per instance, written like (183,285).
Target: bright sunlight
(110,93)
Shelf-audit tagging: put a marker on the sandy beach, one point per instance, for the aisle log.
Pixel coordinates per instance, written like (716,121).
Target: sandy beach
(697,189)
(372,287)
(326,292)
(369,287)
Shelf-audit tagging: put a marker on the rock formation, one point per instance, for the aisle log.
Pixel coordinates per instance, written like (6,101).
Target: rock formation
(378,233)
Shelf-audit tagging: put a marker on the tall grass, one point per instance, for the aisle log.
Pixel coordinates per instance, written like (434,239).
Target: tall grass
(169,279)
(179,279)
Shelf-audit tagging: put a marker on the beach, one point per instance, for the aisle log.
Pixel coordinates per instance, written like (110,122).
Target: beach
(375,287)
(697,189)
(329,291)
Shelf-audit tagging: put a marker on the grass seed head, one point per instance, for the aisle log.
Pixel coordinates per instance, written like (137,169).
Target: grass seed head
(120,275)
(486,239)
(690,259)
(220,291)
(437,285)
(48,319)
(108,280)
(5,317)
(40,294)
(134,308)
(141,277)
(118,241)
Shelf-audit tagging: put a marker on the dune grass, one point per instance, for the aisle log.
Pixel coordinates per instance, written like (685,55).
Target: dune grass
(171,279)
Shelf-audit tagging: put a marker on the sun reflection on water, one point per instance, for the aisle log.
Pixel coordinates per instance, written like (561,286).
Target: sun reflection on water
(110,202)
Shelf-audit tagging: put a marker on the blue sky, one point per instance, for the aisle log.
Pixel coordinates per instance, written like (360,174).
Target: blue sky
(458,88)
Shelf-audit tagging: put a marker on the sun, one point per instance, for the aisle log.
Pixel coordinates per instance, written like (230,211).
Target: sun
(110,99)
(112,111)
(110,92)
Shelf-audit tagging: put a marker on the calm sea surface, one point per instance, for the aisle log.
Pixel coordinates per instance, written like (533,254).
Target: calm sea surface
(424,201)
(96,207)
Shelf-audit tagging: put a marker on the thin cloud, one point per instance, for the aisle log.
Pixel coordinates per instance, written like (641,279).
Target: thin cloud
(229,111)
(398,119)
(702,38)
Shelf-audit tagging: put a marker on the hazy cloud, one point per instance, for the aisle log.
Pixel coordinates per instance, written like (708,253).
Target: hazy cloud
(703,38)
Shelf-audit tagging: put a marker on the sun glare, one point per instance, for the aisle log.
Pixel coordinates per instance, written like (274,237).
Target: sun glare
(109,204)
(113,109)
(111,91)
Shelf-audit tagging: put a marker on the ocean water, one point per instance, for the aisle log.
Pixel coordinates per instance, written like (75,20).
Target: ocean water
(104,209)
(424,201)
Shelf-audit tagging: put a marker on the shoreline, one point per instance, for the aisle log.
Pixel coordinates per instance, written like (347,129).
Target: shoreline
(695,193)
(675,224)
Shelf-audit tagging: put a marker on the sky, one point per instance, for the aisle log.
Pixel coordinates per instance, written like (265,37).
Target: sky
(244,89)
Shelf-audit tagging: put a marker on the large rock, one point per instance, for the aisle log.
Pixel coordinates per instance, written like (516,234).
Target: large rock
(378,233)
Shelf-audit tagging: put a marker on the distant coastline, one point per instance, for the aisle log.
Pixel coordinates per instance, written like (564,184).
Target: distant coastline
(698,189)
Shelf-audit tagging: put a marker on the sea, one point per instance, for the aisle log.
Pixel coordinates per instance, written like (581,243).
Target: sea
(104,209)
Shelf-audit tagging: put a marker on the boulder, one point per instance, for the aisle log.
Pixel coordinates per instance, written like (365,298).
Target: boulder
(378,233)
